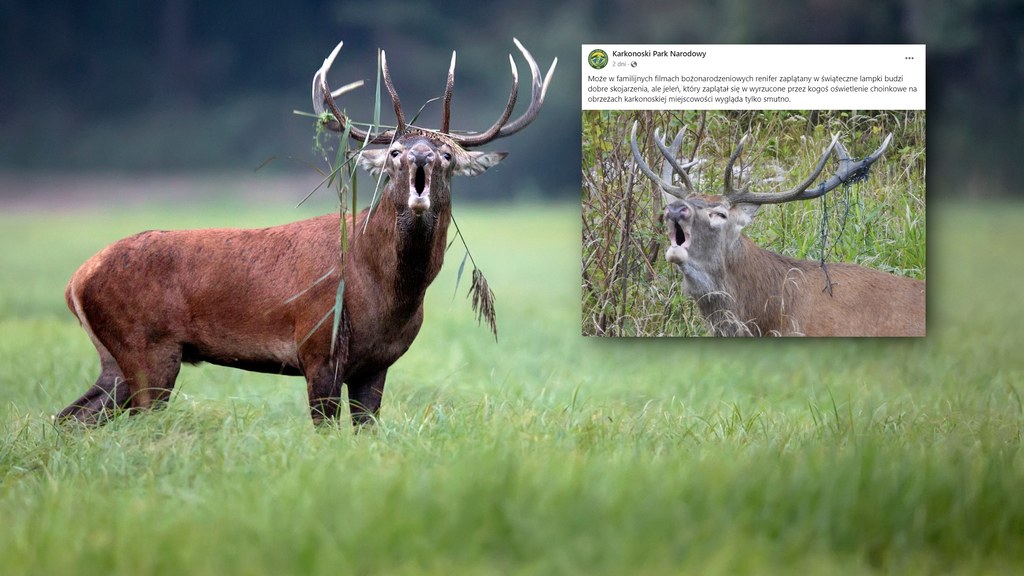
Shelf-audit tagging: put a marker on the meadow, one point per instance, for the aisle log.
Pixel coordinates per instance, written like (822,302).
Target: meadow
(543,452)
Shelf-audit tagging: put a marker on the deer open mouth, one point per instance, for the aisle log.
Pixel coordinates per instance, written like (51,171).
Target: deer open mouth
(678,235)
(679,242)
(419,190)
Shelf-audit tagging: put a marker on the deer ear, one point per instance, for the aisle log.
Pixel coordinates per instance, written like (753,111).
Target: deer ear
(473,163)
(372,160)
(743,213)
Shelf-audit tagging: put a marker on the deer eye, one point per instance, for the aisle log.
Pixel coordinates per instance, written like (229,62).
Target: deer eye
(395,153)
(718,214)
(447,157)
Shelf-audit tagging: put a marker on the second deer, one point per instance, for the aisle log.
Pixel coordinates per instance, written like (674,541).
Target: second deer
(745,290)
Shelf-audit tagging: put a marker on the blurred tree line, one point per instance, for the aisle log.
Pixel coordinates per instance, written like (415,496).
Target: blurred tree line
(176,85)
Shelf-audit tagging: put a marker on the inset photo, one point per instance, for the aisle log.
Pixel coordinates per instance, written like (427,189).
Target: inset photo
(753,223)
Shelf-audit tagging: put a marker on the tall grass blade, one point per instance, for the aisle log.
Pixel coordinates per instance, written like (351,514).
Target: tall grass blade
(375,199)
(376,94)
(316,327)
(264,163)
(420,111)
(338,303)
(326,181)
(295,296)
(343,185)
(355,194)
(462,266)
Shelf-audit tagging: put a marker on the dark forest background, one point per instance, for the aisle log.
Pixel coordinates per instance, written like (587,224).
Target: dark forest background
(181,85)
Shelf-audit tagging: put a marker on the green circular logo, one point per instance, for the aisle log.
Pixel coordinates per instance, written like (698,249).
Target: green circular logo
(597,59)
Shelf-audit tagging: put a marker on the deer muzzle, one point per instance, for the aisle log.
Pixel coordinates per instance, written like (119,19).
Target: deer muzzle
(419,179)
(679,218)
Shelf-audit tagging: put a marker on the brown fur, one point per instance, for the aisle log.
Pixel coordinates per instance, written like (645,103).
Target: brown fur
(253,299)
(744,290)
(777,295)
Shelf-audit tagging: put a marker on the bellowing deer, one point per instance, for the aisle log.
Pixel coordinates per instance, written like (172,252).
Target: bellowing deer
(745,290)
(256,299)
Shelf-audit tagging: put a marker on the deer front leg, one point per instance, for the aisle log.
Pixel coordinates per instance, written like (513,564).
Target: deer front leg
(323,384)
(364,395)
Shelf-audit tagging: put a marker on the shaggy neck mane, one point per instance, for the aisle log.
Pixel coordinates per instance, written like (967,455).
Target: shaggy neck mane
(402,252)
(768,281)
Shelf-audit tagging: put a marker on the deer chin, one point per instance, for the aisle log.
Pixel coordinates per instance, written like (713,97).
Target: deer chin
(419,191)
(419,203)
(677,254)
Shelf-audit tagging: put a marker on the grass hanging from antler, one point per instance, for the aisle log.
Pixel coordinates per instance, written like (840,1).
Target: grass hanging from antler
(480,294)
(483,301)
(340,174)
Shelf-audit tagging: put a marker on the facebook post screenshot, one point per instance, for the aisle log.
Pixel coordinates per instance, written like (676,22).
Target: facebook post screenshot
(753,190)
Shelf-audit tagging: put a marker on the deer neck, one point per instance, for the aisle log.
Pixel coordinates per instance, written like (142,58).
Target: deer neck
(744,292)
(764,287)
(399,252)
(707,284)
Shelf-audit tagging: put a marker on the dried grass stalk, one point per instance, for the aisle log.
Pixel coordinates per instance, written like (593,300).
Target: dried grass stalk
(483,301)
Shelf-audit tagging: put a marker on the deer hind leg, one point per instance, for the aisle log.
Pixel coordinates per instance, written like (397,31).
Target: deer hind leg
(104,398)
(110,392)
(128,377)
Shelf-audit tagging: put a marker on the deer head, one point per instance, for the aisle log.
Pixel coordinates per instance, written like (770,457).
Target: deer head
(420,162)
(702,229)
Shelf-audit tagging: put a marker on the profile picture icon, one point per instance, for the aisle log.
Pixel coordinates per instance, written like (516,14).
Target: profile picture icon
(597,59)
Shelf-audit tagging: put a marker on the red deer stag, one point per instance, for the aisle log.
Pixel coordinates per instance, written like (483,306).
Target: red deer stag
(256,299)
(745,290)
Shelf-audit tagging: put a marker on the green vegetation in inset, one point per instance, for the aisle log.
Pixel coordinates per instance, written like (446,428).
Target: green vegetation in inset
(628,287)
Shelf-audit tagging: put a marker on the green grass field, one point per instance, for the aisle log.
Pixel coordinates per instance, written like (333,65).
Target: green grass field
(545,452)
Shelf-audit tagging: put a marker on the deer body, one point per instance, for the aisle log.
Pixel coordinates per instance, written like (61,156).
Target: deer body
(263,299)
(204,296)
(761,293)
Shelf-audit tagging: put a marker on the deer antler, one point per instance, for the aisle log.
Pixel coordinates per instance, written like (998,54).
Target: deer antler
(670,153)
(446,103)
(400,118)
(502,128)
(492,132)
(323,100)
(849,171)
(539,88)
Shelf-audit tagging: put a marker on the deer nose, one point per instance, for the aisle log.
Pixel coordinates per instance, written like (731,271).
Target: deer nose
(421,156)
(677,211)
